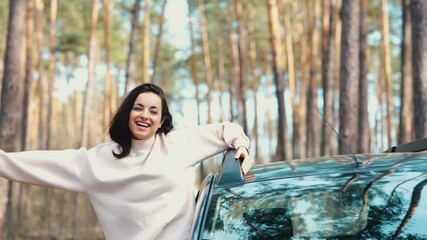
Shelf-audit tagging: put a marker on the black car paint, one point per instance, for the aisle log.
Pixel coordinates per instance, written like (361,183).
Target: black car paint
(326,197)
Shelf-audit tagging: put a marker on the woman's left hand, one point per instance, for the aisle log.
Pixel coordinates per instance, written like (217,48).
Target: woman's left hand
(243,154)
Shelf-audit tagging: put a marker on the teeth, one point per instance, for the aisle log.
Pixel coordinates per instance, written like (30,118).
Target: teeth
(142,124)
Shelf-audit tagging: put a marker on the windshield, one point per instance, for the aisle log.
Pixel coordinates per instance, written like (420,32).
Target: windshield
(370,205)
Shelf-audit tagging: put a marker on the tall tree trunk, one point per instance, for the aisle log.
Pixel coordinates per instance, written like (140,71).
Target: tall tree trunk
(266,70)
(386,67)
(419,65)
(243,75)
(52,66)
(3,34)
(296,145)
(406,132)
(328,75)
(302,37)
(363,124)
(336,88)
(25,111)
(208,66)
(158,41)
(88,97)
(311,149)
(288,144)
(206,57)
(146,43)
(336,75)
(256,78)
(108,85)
(67,109)
(194,75)
(234,52)
(44,88)
(221,60)
(78,112)
(349,75)
(131,60)
(41,81)
(194,70)
(380,111)
(292,37)
(12,80)
(28,74)
(276,45)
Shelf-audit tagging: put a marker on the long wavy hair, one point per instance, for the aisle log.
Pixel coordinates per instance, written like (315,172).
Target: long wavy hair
(119,126)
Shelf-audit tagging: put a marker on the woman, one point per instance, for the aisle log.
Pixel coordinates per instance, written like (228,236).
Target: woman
(140,184)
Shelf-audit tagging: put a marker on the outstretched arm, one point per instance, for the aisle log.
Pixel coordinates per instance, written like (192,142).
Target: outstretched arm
(57,169)
(211,139)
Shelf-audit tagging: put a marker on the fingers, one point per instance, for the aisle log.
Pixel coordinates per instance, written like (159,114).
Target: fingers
(247,164)
(243,154)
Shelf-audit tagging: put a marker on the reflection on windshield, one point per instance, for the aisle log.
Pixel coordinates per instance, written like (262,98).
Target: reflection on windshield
(370,205)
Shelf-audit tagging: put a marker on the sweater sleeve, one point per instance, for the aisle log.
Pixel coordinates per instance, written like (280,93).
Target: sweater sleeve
(211,139)
(57,169)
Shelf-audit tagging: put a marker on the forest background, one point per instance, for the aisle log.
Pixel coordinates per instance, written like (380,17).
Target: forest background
(268,65)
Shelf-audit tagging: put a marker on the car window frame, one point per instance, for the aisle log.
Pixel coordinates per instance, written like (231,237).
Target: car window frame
(202,203)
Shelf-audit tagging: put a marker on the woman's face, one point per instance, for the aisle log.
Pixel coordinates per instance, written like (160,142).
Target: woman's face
(146,116)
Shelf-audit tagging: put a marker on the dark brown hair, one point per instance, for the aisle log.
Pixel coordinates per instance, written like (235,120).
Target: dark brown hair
(119,126)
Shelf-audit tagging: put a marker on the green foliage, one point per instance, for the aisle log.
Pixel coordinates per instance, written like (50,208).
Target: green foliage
(120,34)
(168,66)
(394,10)
(73,26)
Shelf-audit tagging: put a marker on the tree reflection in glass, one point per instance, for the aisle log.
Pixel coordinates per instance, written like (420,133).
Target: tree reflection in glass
(326,206)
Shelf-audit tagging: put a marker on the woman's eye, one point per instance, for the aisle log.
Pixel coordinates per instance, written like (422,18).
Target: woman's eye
(154,112)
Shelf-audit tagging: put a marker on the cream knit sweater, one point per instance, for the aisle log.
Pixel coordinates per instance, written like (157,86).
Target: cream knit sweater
(146,195)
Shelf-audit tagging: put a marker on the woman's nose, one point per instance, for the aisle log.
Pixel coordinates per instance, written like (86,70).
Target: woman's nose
(144,114)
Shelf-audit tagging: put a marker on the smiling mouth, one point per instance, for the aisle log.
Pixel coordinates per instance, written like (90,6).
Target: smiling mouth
(144,125)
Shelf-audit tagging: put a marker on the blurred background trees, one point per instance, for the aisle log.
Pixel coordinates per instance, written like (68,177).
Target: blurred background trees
(267,65)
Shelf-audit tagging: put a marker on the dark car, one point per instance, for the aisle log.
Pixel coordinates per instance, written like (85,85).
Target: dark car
(363,196)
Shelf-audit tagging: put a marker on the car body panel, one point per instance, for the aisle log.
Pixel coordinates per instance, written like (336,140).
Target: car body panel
(328,197)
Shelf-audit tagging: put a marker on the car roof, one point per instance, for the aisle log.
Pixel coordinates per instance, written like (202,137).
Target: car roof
(231,174)
(340,164)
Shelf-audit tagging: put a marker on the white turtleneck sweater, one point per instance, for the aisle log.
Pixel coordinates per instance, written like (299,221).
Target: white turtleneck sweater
(146,195)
